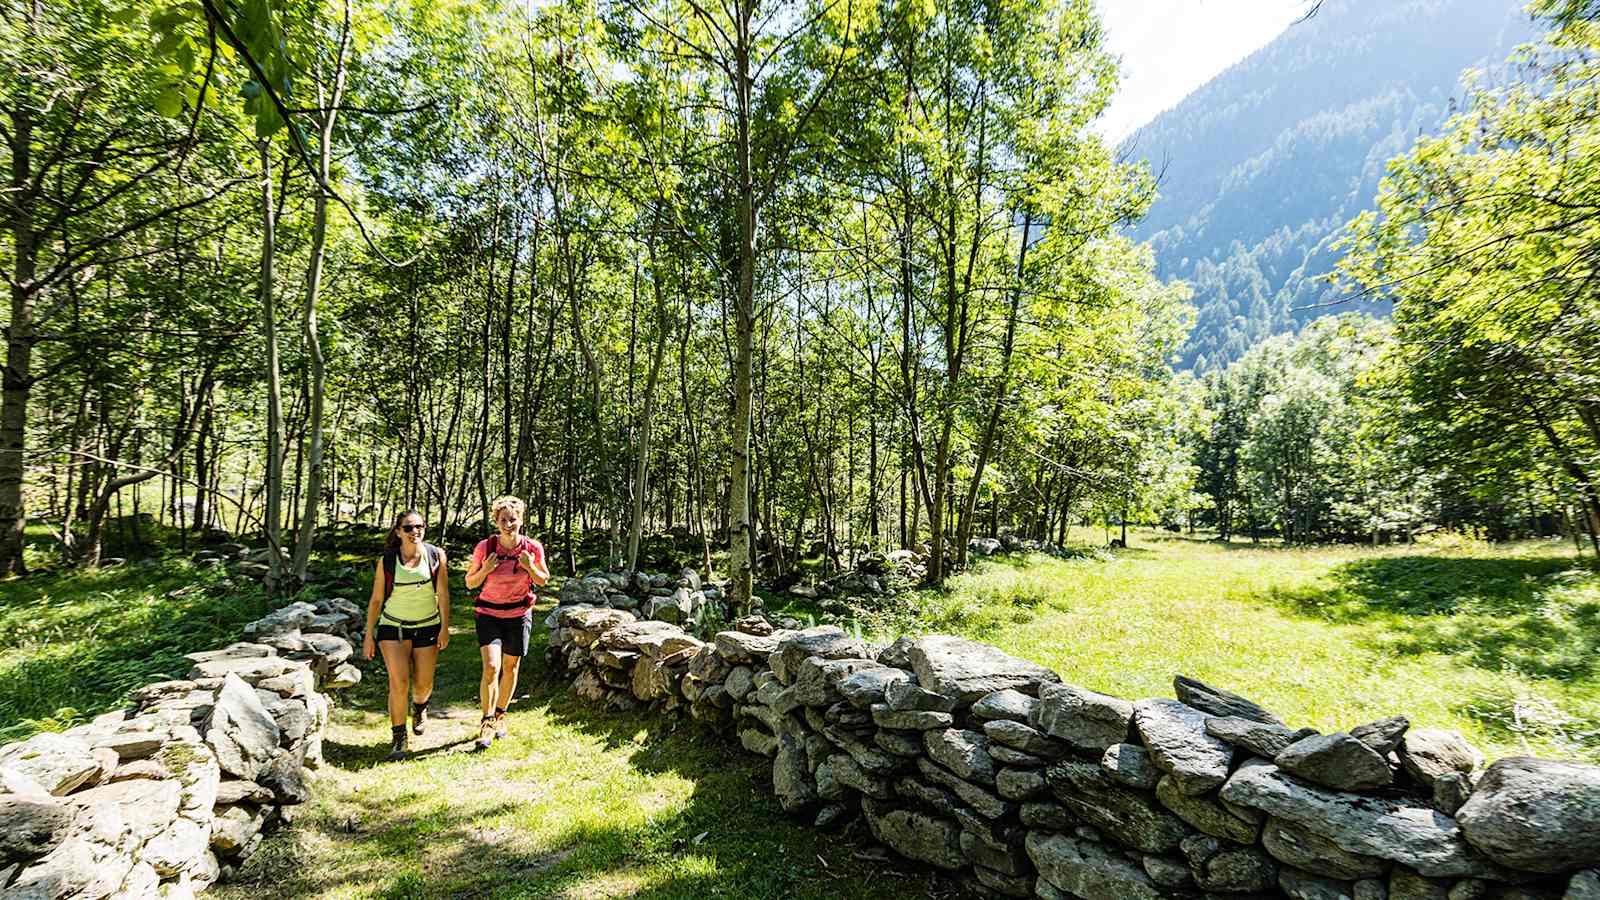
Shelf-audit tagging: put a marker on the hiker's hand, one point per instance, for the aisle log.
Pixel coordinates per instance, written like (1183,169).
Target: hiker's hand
(368,648)
(444,639)
(529,563)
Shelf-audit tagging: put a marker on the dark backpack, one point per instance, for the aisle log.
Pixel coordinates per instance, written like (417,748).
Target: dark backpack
(391,558)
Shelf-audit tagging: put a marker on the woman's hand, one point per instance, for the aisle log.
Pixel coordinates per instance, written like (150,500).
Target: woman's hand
(444,638)
(530,563)
(369,649)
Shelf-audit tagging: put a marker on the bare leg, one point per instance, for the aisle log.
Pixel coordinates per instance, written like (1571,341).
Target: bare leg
(423,662)
(508,679)
(489,686)
(397,659)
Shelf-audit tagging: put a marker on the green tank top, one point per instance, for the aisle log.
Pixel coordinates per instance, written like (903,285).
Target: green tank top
(413,603)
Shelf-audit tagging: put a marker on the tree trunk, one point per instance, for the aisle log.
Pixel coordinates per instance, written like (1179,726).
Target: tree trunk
(272,522)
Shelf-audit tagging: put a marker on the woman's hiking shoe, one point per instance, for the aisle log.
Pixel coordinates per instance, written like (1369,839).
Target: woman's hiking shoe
(419,717)
(486,732)
(398,743)
(500,731)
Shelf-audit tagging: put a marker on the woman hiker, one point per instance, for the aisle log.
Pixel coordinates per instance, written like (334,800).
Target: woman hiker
(408,617)
(507,566)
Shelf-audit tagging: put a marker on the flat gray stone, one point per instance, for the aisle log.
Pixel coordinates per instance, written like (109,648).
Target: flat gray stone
(1087,870)
(904,696)
(791,778)
(825,641)
(1384,735)
(910,719)
(1131,817)
(1451,792)
(976,797)
(1262,739)
(33,827)
(916,835)
(1176,737)
(1018,736)
(1229,868)
(1010,756)
(967,670)
(1295,846)
(867,687)
(1082,718)
(1006,704)
(240,731)
(1428,754)
(1210,816)
(1338,761)
(1130,764)
(816,680)
(1218,702)
(1405,885)
(1536,815)
(1167,871)
(965,753)
(57,763)
(1414,836)
(1299,885)
(1020,784)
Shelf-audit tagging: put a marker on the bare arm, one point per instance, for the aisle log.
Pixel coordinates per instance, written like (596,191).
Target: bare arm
(374,608)
(537,568)
(444,595)
(478,571)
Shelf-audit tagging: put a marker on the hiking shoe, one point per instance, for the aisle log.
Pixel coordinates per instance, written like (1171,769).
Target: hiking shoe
(500,726)
(419,717)
(398,743)
(486,733)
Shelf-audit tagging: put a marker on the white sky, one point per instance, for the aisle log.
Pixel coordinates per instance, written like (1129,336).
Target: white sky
(1170,47)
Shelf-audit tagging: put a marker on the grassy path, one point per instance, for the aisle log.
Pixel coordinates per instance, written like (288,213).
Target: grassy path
(578,803)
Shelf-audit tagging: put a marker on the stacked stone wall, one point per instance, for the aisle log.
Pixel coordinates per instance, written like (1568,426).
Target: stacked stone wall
(957,755)
(167,796)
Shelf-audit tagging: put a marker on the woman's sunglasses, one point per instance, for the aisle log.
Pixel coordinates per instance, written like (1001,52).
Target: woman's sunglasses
(409,528)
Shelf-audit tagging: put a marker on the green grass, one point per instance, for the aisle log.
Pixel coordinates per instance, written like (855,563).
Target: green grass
(1501,643)
(73,644)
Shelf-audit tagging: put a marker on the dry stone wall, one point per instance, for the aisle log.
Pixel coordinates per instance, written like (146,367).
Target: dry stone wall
(957,755)
(165,797)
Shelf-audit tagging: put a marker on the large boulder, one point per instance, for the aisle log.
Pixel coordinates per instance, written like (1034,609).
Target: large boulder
(816,680)
(1414,836)
(1176,735)
(1082,718)
(744,647)
(866,687)
(967,670)
(240,731)
(1535,814)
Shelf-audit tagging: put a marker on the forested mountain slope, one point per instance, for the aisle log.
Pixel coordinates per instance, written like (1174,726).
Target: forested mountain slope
(1262,167)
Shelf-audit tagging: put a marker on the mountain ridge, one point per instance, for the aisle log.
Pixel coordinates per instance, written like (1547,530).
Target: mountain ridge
(1264,164)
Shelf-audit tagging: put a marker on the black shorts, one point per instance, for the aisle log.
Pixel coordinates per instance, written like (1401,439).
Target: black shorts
(421,636)
(511,634)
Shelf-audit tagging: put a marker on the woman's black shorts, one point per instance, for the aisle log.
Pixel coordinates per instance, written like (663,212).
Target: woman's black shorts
(511,634)
(423,636)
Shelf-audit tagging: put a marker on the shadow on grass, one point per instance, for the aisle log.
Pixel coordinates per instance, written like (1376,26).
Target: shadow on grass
(1530,614)
(729,838)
